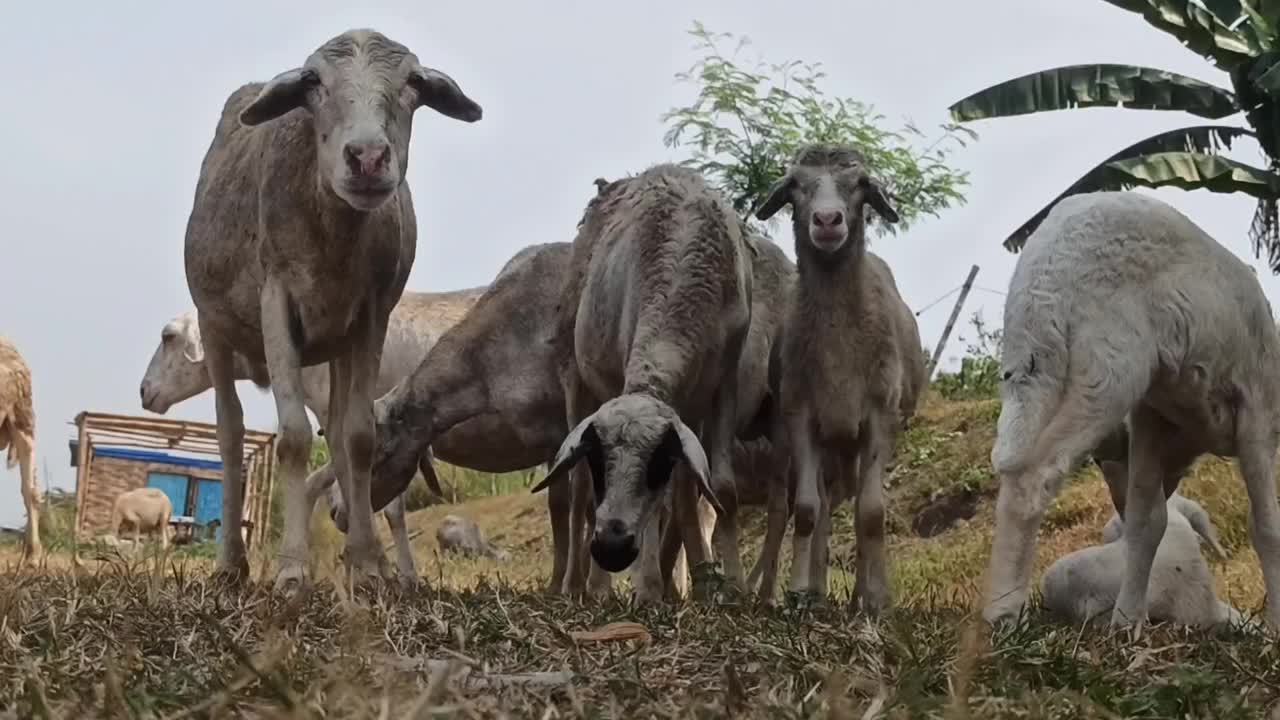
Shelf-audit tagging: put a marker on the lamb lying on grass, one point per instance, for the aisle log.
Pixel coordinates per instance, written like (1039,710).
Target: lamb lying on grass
(1084,585)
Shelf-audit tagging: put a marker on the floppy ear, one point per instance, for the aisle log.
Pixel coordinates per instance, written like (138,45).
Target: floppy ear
(879,201)
(696,457)
(779,195)
(282,93)
(1201,523)
(193,348)
(575,447)
(439,92)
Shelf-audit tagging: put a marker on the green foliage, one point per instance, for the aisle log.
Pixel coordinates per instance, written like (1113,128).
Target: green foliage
(745,125)
(1240,37)
(979,374)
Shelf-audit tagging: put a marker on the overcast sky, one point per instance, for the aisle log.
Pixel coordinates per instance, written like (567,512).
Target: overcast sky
(109,108)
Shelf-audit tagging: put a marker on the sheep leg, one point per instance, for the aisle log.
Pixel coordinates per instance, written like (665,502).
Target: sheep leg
(365,560)
(1027,489)
(1256,444)
(723,425)
(233,564)
(819,555)
(675,568)
(775,532)
(646,574)
(293,445)
(871,587)
(1155,453)
(575,560)
(691,521)
(808,502)
(394,513)
(560,508)
(24,448)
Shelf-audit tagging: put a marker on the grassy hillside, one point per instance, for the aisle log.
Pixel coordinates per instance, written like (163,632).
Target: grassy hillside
(125,640)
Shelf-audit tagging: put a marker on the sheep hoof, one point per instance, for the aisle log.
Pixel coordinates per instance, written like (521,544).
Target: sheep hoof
(805,599)
(707,580)
(872,601)
(32,556)
(411,583)
(232,572)
(291,578)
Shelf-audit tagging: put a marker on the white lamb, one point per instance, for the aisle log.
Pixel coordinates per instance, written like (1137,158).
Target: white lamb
(1084,585)
(1120,306)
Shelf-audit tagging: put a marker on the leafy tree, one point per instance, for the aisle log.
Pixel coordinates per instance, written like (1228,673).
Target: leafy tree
(1238,36)
(746,124)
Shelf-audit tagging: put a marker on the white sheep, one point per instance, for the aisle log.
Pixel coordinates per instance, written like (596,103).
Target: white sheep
(1120,305)
(145,510)
(851,365)
(177,372)
(301,237)
(18,436)
(1084,584)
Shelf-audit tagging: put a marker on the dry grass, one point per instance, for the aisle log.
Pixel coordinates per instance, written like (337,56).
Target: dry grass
(123,640)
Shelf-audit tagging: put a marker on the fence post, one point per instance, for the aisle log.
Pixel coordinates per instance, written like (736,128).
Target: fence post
(951,322)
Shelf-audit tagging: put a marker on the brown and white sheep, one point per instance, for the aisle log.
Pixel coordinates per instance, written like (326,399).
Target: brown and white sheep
(18,435)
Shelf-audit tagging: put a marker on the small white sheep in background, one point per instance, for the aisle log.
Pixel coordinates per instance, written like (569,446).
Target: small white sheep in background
(1121,306)
(145,510)
(463,535)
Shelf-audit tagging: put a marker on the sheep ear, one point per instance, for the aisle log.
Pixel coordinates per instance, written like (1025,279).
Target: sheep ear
(1117,476)
(193,350)
(879,201)
(779,195)
(441,93)
(575,447)
(696,458)
(283,93)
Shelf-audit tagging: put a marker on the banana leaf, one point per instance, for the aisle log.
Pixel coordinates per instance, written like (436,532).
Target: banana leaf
(1201,141)
(1199,29)
(1106,85)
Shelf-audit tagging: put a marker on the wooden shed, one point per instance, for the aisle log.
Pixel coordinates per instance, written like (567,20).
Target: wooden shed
(116,453)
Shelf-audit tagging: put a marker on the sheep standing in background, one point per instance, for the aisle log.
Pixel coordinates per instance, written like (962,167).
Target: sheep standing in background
(655,314)
(300,240)
(463,535)
(145,510)
(177,372)
(850,360)
(1119,305)
(18,435)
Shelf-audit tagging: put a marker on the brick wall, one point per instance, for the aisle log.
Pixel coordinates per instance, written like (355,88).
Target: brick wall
(108,477)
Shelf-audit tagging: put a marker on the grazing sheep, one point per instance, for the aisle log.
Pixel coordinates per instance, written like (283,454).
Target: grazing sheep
(654,318)
(300,240)
(146,510)
(1119,305)
(462,535)
(18,435)
(1084,585)
(851,367)
(177,372)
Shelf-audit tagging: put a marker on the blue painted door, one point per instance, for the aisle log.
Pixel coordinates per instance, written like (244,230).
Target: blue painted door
(209,504)
(175,486)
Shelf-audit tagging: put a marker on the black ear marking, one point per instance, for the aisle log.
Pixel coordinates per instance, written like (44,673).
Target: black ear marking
(595,462)
(663,460)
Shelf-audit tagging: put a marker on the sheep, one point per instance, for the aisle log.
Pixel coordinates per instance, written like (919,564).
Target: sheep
(653,322)
(1083,585)
(145,509)
(1120,305)
(300,240)
(463,535)
(18,435)
(850,363)
(177,372)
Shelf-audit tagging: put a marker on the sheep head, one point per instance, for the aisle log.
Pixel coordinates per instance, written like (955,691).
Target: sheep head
(360,90)
(631,444)
(828,188)
(176,371)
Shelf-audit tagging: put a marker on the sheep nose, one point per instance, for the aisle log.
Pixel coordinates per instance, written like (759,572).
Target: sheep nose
(367,159)
(828,218)
(614,546)
(144,391)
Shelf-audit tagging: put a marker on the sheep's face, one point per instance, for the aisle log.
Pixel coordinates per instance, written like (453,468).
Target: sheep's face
(403,434)
(829,190)
(361,90)
(176,371)
(631,444)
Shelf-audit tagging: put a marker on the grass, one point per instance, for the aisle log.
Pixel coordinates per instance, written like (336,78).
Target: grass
(123,639)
